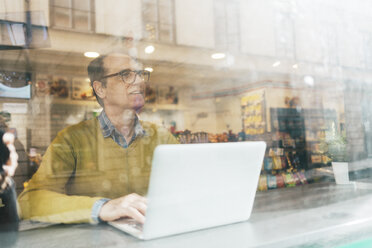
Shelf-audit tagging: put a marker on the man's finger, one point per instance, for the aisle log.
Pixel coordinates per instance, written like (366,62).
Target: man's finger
(135,197)
(140,206)
(135,214)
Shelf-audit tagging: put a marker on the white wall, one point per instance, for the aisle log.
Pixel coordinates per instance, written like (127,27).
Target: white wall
(228,114)
(207,123)
(8,6)
(40,9)
(119,17)
(13,8)
(195,23)
(351,48)
(257,31)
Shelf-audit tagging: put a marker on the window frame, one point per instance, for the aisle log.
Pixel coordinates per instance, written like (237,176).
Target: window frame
(91,19)
(218,44)
(158,23)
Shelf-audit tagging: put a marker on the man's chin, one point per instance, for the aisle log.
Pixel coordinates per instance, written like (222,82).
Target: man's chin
(138,106)
(138,109)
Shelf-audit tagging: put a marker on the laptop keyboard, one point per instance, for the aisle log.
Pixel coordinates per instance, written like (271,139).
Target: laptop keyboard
(131,222)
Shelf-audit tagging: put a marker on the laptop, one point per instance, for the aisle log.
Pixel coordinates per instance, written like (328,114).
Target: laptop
(197,186)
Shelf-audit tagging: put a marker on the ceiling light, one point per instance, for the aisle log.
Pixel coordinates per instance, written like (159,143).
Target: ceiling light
(309,80)
(149,49)
(277,63)
(218,56)
(91,54)
(149,69)
(295,66)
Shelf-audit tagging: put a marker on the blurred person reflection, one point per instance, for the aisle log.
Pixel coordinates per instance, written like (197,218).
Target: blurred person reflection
(8,199)
(22,173)
(98,170)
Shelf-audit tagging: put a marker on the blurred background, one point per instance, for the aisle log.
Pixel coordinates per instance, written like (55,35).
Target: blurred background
(296,74)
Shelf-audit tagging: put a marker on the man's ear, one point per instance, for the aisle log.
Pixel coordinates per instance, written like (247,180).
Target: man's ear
(99,89)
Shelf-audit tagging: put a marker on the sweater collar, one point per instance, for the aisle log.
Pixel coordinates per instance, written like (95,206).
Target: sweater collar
(109,130)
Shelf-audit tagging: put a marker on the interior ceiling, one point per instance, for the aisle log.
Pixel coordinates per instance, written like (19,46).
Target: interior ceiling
(198,77)
(69,63)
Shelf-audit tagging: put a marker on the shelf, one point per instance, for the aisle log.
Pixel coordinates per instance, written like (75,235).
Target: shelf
(94,103)
(69,101)
(174,107)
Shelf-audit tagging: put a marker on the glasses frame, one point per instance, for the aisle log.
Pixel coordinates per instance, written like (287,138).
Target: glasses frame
(146,75)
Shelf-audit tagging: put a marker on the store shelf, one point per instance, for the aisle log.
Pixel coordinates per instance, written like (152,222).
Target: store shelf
(291,126)
(175,107)
(69,101)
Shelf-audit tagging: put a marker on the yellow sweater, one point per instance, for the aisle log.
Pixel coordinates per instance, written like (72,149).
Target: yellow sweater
(81,166)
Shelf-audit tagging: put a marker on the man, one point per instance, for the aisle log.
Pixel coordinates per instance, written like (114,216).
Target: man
(108,157)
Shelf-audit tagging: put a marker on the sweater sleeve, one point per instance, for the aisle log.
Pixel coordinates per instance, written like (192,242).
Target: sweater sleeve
(45,199)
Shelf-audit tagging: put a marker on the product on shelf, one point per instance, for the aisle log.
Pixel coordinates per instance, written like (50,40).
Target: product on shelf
(302,177)
(271,182)
(277,163)
(268,163)
(262,183)
(186,137)
(253,114)
(289,179)
(280,181)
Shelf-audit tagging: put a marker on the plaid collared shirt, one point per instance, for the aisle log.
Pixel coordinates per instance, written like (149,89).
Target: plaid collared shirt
(109,130)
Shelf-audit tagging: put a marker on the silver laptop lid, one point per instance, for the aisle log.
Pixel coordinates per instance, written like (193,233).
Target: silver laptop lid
(196,186)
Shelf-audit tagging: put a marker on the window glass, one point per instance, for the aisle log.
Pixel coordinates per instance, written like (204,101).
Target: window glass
(82,20)
(158,20)
(91,90)
(150,13)
(165,14)
(62,17)
(62,3)
(73,14)
(227,25)
(166,33)
(82,5)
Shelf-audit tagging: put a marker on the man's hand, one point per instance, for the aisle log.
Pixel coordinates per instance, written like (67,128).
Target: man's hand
(132,206)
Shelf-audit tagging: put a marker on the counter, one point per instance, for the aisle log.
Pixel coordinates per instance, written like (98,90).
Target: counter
(315,215)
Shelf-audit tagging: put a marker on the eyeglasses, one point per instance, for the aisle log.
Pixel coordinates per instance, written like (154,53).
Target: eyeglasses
(129,76)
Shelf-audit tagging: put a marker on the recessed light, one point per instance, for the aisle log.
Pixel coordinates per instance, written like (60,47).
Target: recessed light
(91,54)
(149,49)
(309,80)
(295,66)
(277,63)
(149,69)
(218,55)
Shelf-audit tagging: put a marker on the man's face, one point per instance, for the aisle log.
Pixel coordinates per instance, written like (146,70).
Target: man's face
(119,94)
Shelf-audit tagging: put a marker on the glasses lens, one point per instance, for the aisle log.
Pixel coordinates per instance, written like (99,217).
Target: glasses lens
(128,77)
(145,75)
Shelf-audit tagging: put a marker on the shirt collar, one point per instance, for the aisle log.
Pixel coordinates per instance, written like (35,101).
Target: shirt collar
(108,129)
